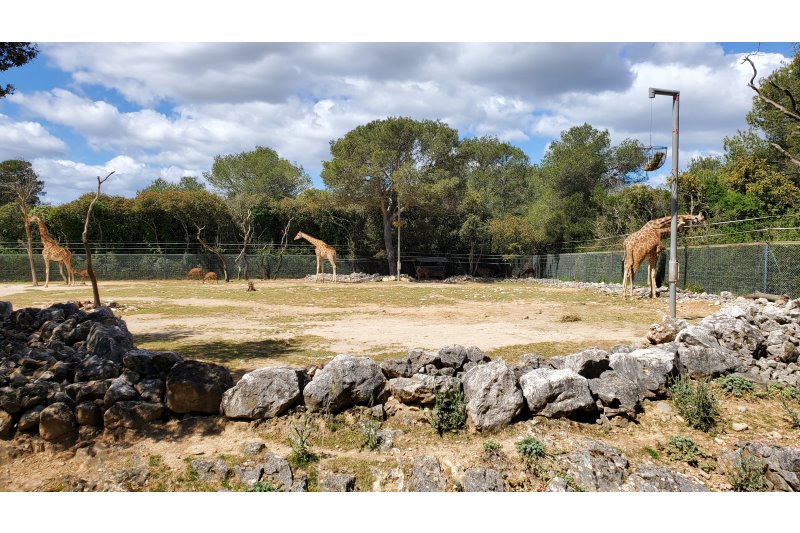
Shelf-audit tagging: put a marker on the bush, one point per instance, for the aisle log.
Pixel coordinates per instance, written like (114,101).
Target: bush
(530,449)
(695,287)
(748,474)
(450,410)
(695,403)
(684,449)
(736,385)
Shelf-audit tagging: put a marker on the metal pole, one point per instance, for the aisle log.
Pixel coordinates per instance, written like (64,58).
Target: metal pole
(673,238)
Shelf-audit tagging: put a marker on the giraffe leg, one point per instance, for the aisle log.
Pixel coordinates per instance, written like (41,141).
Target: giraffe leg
(46,273)
(316,279)
(651,275)
(333,264)
(61,271)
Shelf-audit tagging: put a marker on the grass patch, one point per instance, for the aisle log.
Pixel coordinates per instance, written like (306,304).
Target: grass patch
(365,479)
(654,454)
(569,318)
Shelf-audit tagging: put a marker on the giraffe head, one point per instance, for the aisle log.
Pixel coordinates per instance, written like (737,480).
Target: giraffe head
(34,218)
(299,235)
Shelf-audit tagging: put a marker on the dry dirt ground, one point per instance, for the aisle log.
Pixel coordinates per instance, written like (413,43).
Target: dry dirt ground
(300,322)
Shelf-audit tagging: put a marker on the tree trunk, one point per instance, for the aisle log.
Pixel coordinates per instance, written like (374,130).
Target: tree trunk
(214,251)
(30,247)
(85,239)
(387,238)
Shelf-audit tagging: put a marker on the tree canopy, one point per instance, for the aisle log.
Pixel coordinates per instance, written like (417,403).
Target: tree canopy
(14,55)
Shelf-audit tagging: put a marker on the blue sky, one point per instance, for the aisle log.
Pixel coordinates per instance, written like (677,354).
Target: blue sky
(149,110)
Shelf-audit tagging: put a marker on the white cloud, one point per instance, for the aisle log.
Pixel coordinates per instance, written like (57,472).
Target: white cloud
(27,140)
(225,98)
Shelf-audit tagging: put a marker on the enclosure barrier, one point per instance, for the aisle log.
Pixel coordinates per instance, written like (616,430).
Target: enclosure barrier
(741,268)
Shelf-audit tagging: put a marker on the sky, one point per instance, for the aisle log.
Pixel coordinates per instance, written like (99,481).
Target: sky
(152,110)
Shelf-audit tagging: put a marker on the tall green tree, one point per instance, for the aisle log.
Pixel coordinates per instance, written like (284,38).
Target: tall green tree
(392,165)
(20,183)
(14,55)
(248,180)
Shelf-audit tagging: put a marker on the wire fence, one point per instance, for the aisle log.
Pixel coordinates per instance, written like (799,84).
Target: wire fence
(772,267)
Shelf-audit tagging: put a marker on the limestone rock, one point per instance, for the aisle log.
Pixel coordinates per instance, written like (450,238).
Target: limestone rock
(649,478)
(649,368)
(493,395)
(56,421)
(426,475)
(597,467)
(132,415)
(483,480)
(420,388)
(344,382)
(337,482)
(666,330)
(263,393)
(195,387)
(617,393)
(555,393)
(588,363)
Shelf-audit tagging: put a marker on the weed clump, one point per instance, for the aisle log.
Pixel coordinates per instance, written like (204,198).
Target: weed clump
(736,385)
(450,410)
(301,454)
(748,474)
(695,403)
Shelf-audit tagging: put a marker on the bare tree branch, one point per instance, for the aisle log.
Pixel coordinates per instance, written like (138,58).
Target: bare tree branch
(89,269)
(214,250)
(787,154)
(773,103)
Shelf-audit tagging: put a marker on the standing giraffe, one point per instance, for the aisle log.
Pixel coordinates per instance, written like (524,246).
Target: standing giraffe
(52,251)
(323,251)
(646,244)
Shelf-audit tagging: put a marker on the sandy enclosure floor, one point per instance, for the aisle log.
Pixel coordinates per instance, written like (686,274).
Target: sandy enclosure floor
(298,321)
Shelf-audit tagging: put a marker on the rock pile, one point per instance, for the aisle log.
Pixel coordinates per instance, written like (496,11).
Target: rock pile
(64,369)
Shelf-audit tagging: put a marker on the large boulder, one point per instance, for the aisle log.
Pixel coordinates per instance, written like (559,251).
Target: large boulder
(264,393)
(453,356)
(419,359)
(617,394)
(426,475)
(737,335)
(337,482)
(278,471)
(783,464)
(649,478)
(119,391)
(6,308)
(597,467)
(88,414)
(6,424)
(420,388)
(397,368)
(195,387)
(701,355)
(649,368)
(528,362)
(588,363)
(29,421)
(109,341)
(56,421)
(132,415)
(493,395)
(554,393)
(96,368)
(483,480)
(666,330)
(344,382)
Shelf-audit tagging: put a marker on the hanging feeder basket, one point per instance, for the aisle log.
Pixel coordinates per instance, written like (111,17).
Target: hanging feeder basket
(655,157)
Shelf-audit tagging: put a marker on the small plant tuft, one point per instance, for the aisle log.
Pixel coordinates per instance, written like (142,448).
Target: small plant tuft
(695,288)
(569,318)
(264,486)
(301,454)
(736,385)
(685,450)
(748,474)
(492,449)
(530,449)
(794,416)
(695,403)
(369,434)
(450,410)
(651,452)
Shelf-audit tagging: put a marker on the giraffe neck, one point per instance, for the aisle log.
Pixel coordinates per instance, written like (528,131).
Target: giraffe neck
(312,240)
(43,233)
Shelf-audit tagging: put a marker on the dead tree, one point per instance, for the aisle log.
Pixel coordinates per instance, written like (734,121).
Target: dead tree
(214,250)
(85,238)
(22,190)
(792,112)
(284,244)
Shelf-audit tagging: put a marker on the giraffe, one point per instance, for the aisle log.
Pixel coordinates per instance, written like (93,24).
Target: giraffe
(52,251)
(646,244)
(323,252)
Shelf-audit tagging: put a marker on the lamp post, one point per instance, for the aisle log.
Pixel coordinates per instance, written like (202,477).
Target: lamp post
(673,238)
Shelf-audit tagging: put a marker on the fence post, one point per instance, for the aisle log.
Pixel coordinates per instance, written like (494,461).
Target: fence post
(766,265)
